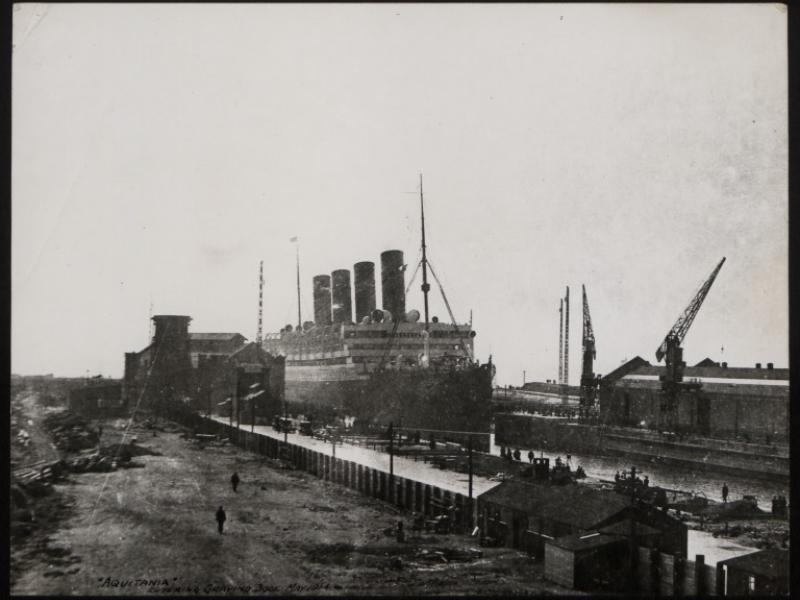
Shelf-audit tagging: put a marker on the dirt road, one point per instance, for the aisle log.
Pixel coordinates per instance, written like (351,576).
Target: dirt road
(152,530)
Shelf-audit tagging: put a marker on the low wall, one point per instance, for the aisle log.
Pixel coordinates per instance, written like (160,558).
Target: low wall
(560,434)
(403,493)
(556,434)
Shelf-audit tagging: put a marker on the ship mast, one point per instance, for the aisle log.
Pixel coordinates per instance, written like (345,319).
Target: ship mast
(425,286)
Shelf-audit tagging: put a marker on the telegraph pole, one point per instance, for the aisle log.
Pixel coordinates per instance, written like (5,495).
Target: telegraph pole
(391,456)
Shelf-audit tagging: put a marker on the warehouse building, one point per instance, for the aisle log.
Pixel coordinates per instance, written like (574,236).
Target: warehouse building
(738,402)
(529,515)
(202,371)
(97,398)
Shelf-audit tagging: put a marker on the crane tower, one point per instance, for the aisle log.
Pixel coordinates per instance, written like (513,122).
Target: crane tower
(588,378)
(670,350)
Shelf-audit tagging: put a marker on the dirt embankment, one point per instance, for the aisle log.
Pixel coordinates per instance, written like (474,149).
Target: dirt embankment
(153,530)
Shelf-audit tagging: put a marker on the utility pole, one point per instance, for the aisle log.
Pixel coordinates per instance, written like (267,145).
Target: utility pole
(297,263)
(469,488)
(391,456)
(285,420)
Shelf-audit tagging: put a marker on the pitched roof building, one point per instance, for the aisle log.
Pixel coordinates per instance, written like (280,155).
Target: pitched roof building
(752,402)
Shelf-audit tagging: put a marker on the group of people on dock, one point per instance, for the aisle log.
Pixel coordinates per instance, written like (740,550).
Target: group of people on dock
(510,455)
(631,478)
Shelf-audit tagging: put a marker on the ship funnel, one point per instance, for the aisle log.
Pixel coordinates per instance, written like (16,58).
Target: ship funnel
(412,316)
(393,287)
(364,284)
(322,300)
(342,304)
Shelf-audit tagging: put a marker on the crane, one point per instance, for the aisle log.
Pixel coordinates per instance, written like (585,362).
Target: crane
(588,380)
(670,350)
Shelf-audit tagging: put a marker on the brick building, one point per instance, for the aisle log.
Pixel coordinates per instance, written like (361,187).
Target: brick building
(202,370)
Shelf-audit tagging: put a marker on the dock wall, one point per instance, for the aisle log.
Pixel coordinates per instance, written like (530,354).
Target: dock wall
(559,434)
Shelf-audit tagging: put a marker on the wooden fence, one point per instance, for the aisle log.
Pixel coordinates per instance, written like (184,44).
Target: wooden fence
(403,493)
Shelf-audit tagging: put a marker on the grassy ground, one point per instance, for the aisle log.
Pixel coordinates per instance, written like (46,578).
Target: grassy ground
(152,530)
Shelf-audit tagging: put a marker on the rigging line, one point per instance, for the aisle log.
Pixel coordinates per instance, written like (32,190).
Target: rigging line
(413,276)
(450,311)
(128,426)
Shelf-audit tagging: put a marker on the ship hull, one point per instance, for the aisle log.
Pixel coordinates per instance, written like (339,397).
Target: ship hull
(455,402)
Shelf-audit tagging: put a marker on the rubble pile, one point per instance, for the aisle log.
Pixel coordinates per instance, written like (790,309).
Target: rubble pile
(71,432)
(108,458)
(392,557)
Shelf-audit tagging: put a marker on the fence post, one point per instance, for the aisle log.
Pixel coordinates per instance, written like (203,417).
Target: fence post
(679,575)
(699,575)
(655,573)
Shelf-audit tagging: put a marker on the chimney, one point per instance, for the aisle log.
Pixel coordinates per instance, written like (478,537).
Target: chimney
(724,365)
(770,366)
(758,365)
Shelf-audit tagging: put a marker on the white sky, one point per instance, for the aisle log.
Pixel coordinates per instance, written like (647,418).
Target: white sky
(161,151)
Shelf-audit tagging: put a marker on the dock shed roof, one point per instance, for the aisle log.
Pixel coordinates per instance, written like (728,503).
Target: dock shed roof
(575,505)
(772,562)
(577,543)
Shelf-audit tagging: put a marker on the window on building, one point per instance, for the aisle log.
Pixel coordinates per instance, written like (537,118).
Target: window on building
(751,583)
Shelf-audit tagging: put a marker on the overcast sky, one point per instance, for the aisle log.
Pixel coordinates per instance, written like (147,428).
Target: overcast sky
(161,151)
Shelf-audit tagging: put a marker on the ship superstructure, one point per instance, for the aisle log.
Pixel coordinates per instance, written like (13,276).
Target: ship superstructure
(383,364)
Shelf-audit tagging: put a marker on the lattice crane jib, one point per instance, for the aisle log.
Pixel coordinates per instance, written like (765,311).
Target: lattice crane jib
(588,331)
(678,331)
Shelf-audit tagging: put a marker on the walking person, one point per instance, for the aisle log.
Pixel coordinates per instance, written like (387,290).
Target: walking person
(725,493)
(235,481)
(220,518)
(530,456)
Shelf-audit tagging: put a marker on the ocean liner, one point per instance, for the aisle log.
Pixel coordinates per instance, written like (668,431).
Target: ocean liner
(387,365)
